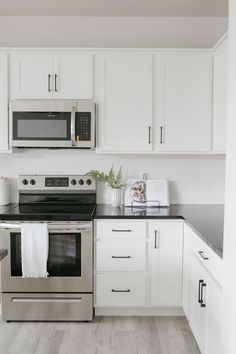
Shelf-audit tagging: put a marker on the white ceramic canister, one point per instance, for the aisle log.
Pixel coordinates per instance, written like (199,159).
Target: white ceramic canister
(4,191)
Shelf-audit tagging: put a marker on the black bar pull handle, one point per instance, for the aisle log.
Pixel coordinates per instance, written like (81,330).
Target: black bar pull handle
(155,245)
(120,291)
(203,286)
(200,291)
(161,134)
(55,83)
(120,230)
(49,83)
(203,255)
(122,257)
(149,135)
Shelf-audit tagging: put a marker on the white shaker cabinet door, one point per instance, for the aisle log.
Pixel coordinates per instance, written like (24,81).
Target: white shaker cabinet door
(166,251)
(4,139)
(31,76)
(220,97)
(183,100)
(214,316)
(73,76)
(198,298)
(123,91)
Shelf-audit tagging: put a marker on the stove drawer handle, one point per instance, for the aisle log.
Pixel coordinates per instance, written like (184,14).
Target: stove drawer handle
(120,230)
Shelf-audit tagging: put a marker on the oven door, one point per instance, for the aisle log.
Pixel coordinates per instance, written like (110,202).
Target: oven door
(69,261)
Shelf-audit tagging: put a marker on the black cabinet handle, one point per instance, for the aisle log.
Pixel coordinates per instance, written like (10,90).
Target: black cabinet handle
(115,230)
(161,135)
(49,83)
(155,245)
(202,303)
(55,82)
(203,255)
(120,291)
(200,291)
(120,257)
(149,135)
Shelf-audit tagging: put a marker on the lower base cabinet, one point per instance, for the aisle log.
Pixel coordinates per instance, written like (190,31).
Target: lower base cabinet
(120,290)
(205,309)
(166,261)
(138,263)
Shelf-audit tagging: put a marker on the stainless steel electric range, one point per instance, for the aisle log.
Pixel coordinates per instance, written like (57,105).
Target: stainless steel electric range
(66,204)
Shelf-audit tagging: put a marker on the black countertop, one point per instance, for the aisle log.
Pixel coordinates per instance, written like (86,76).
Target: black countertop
(206,219)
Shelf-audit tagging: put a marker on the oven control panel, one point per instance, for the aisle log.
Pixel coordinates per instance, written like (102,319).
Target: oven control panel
(57,183)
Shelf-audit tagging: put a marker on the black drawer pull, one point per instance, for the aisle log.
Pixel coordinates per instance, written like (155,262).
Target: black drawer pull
(120,291)
(120,256)
(202,303)
(199,291)
(115,230)
(203,255)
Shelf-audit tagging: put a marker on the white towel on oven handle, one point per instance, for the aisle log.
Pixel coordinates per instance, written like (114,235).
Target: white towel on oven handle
(34,250)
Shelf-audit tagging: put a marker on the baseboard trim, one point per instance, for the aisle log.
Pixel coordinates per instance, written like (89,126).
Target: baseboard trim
(161,311)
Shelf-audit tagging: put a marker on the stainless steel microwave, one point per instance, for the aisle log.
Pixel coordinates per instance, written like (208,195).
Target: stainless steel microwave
(53,123)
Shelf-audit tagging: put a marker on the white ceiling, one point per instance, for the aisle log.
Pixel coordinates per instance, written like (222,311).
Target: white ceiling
(149,8)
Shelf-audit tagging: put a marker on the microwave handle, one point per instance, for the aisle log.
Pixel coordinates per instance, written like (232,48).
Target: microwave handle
(72,127)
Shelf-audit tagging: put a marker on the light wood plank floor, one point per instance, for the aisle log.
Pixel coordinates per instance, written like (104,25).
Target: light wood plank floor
(106,335)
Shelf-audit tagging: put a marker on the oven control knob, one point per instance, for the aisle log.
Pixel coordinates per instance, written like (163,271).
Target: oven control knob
(73,182)
(81,182)
(88,182)
(32,182)
(25,182)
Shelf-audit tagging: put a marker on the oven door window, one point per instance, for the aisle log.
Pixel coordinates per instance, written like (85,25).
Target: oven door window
(64,259)
(42,126)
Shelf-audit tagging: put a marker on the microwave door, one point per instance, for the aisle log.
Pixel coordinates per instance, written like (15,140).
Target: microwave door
(41,129)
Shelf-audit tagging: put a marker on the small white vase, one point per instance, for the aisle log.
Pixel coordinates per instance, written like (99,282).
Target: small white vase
(115,197)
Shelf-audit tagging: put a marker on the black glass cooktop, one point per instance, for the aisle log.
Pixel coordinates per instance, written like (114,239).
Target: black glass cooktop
(59,212)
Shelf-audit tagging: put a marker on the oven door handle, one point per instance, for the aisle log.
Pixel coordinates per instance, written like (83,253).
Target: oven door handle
(63,228)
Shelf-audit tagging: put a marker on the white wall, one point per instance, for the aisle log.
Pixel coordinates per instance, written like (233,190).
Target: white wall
(111,31)
(229,288)
(194,179)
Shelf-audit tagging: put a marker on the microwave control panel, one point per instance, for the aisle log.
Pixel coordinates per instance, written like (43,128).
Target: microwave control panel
(83,126)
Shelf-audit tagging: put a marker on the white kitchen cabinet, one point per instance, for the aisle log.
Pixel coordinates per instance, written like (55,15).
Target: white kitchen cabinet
(4,143)
(31,76)
(48,76)
(220,97)
(197,310)
(120,263)
(187,257)
(73,76)
(183,101)
(205,308)
(123,91)
(165,252)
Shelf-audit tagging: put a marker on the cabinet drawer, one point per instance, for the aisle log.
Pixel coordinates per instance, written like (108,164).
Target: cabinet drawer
(121,229)
(120,256)
(120,290)
(212,262)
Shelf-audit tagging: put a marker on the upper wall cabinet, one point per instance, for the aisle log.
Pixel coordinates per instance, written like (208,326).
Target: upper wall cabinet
(123,91)
(183,100)
(4,146)
(46,76)
(220,97)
